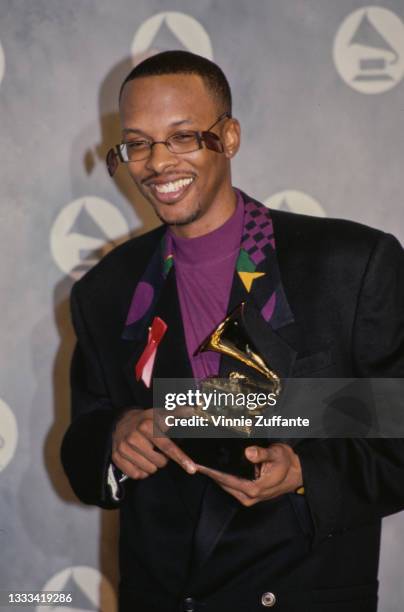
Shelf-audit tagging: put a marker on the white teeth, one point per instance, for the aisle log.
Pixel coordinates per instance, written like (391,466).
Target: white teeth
(173,186)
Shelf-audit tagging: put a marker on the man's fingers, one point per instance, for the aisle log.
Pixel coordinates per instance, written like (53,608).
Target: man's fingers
(277,471)
(247,487)
(135,458)
(144,447)
(138,449)
(248,500)
(128,468)
(258,454)
(138,440)
(172,451)
(167,446)
(245,500)
(269,479)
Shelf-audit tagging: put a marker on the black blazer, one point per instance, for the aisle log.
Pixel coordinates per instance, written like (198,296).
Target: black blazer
(184,543)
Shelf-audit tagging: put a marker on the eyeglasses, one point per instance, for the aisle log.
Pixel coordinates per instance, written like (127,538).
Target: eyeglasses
(184,141)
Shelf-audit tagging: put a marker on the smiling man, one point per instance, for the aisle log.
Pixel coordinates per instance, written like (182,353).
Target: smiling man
(194,539)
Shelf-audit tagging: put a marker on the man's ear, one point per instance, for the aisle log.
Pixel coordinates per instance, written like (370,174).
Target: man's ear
(231,137)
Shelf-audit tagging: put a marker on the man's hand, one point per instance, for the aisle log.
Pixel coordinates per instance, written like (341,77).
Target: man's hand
(133,446)
(277,469)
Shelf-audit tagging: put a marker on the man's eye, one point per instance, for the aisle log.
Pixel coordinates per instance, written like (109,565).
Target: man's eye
(137,144)
(183,137)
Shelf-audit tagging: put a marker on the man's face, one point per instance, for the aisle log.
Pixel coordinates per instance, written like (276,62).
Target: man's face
(183,189)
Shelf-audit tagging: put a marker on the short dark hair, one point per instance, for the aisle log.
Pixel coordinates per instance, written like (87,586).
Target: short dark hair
(184,62)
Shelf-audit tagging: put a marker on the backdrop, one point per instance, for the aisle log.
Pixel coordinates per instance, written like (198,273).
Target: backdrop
(318,87)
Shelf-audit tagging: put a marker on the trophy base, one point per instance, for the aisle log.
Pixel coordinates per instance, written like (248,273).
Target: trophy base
(225,455)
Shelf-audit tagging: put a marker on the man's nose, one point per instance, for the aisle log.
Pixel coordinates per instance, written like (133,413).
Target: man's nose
(160,158)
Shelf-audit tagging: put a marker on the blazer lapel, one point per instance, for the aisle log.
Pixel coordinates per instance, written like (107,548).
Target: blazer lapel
(171,358)
(217,510)
(264,294)
(275,351)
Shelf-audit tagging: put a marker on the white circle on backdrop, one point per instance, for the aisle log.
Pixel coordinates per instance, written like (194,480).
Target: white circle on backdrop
(83,232)
(8,435)
(295,201)
(2,63)
(170,30)
(90,590)
(369,49)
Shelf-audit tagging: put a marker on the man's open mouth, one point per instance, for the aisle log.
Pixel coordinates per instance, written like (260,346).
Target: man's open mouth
(171,191)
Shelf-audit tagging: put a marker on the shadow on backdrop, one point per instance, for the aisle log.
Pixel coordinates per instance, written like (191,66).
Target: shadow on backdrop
(85,159)
(110,132)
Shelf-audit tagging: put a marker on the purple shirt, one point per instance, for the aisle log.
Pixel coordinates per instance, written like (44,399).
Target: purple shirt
(204,268)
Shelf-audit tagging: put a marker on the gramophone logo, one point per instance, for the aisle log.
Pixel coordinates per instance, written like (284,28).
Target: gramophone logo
(295,201)
(8,435)
(83,232)
(2,63)
(369,50)
(90,591)
(170,30)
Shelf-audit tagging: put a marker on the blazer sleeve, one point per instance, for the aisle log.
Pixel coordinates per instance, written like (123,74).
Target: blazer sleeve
(86,446)
(349,482)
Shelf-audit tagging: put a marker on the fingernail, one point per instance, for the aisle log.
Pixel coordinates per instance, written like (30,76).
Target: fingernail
(251,453)
(190,467)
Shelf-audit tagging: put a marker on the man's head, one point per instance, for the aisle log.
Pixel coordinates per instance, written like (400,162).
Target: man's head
(171,95)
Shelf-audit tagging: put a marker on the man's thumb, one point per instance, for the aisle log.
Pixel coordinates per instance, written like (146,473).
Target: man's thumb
(256,454)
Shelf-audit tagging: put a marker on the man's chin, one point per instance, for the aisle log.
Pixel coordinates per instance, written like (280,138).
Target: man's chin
(177,218)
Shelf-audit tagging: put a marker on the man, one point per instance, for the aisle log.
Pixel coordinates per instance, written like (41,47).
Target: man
(324,298)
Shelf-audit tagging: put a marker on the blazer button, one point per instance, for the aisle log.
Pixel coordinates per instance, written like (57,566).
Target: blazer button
(189,604)
(268,600)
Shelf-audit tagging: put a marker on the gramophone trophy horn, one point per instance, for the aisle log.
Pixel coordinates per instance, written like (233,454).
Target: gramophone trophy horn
(230,338)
